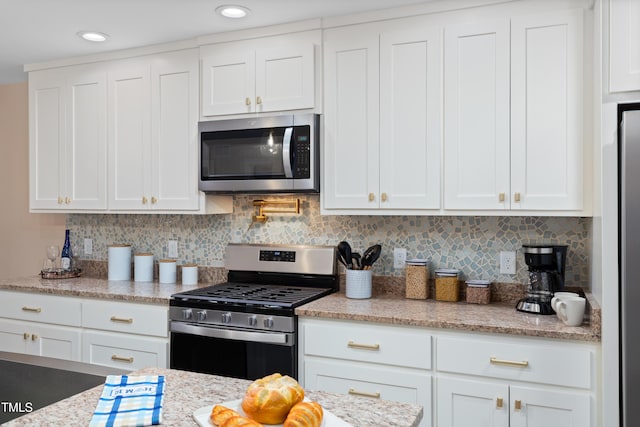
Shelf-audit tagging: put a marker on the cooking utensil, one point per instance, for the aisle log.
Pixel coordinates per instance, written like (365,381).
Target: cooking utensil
(341,259)
(370,256)
(355,256)
(345,250)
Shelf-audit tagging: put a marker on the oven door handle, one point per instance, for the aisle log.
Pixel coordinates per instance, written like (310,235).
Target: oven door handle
(233,334)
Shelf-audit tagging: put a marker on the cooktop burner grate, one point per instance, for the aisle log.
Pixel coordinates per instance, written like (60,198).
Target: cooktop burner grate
(257,294)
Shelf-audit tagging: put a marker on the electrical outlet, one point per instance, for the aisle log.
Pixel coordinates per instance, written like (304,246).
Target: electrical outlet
(88,246)
(507,262)
(172,249)
(399,257)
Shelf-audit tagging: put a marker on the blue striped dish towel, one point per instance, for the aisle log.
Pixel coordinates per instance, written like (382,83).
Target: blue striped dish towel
(130,401)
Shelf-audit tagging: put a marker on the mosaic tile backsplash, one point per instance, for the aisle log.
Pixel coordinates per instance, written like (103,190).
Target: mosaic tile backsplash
(470,244)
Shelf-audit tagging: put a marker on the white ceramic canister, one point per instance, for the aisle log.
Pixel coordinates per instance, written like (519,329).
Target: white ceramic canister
(143,267)
(190,274)
(119,262)
(167,270)
(358,283)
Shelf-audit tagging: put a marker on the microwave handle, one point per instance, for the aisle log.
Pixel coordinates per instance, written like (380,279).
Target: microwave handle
(286,152)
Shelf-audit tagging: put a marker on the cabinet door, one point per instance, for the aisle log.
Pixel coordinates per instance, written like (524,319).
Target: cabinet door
(532,407)
(410,118)
(129,136)
(13,336)
(465,403)
(86,170)
(228,81)
(46,139)
(624,45)
(174,100)
(54,341)
(546,111)
(285,77)
(476,147)
(351,137)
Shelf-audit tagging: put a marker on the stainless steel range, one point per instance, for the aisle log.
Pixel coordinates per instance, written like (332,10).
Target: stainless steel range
(246,327)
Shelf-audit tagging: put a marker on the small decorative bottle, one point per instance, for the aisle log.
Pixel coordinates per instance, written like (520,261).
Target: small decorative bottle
(65,261)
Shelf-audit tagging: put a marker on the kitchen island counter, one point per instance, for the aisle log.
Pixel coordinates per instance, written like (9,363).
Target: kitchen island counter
(499,318)
(187,391)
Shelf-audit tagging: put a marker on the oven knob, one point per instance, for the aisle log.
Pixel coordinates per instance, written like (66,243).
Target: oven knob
(202,315)
(187,314)
(226,317)
(253,320)
(268,322)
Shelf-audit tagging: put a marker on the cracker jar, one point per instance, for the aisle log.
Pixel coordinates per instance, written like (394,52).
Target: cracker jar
(447,287)
(417,279)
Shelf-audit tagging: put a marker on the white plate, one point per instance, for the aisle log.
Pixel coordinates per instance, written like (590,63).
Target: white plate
(201,415)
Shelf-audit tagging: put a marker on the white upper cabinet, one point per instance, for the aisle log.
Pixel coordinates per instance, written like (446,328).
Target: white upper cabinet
(153,115)
(382,118)
(271,74)
(67,137)
(476,150)
(624,45)
(547,155)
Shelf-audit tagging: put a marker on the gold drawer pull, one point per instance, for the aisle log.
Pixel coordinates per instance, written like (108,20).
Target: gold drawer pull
(32,309)
(121,319)
(352,344)
(517,405)
(122,359)
(522,364)
(499,402)
(355,392)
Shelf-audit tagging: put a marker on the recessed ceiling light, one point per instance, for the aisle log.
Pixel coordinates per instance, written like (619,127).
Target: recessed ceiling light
(232,11)
(93,36)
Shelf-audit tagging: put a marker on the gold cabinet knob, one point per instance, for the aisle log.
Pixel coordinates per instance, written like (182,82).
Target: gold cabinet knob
(501,197)
(144,200)
(517,405)
(26,335)
(259,100)
(154,200)
(67,200)
(499,402)
(34,337)
(247,101)
(60,200)
(372,197)
(516,197)
(384,197)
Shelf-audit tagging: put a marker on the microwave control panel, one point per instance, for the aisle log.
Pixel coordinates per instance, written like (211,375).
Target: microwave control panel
(302,150)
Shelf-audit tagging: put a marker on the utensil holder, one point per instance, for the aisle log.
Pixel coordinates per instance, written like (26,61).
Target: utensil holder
(358,284)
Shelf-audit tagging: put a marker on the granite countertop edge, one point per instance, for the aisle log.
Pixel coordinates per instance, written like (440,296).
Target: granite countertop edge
(497,318)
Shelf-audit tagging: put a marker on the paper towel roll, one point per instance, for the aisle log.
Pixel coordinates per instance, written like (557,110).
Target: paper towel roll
(143,267)
(190,274)
(167,270)
(119,262)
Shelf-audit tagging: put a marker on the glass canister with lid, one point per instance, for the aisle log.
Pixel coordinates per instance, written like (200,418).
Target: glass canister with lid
(447,286)
(417,279)
(478,291)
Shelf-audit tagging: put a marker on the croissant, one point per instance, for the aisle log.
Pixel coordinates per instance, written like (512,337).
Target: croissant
(304,414)
(226,417)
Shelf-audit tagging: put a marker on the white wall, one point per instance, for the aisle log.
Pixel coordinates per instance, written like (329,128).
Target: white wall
(23,236)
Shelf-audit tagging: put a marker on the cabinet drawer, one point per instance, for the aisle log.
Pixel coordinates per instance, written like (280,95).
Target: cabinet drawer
(547,363)
(379,382)
(124,352)
(41,308)
(126,317)
(389,345)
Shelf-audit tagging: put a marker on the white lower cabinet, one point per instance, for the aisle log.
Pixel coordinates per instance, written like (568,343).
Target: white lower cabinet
(460,379)
(123,335)
(368,360)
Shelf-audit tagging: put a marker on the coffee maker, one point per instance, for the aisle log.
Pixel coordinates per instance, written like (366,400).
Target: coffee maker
(546,276)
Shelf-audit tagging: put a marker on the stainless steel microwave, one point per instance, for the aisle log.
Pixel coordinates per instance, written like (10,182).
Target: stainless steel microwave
(278,154)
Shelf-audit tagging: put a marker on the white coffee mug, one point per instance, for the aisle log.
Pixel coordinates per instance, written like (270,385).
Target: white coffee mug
(558,296)
(571,310)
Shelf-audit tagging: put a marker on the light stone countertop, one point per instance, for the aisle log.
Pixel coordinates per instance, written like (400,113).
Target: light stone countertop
(386,308)
(188,391)
(491,318)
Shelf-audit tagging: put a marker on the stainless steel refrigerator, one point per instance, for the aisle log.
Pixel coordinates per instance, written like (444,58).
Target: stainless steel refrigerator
(629,261)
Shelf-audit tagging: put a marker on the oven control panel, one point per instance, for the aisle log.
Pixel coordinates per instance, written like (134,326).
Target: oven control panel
(282,256)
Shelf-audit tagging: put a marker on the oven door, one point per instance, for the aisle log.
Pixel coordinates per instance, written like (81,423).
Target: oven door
(237,353)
